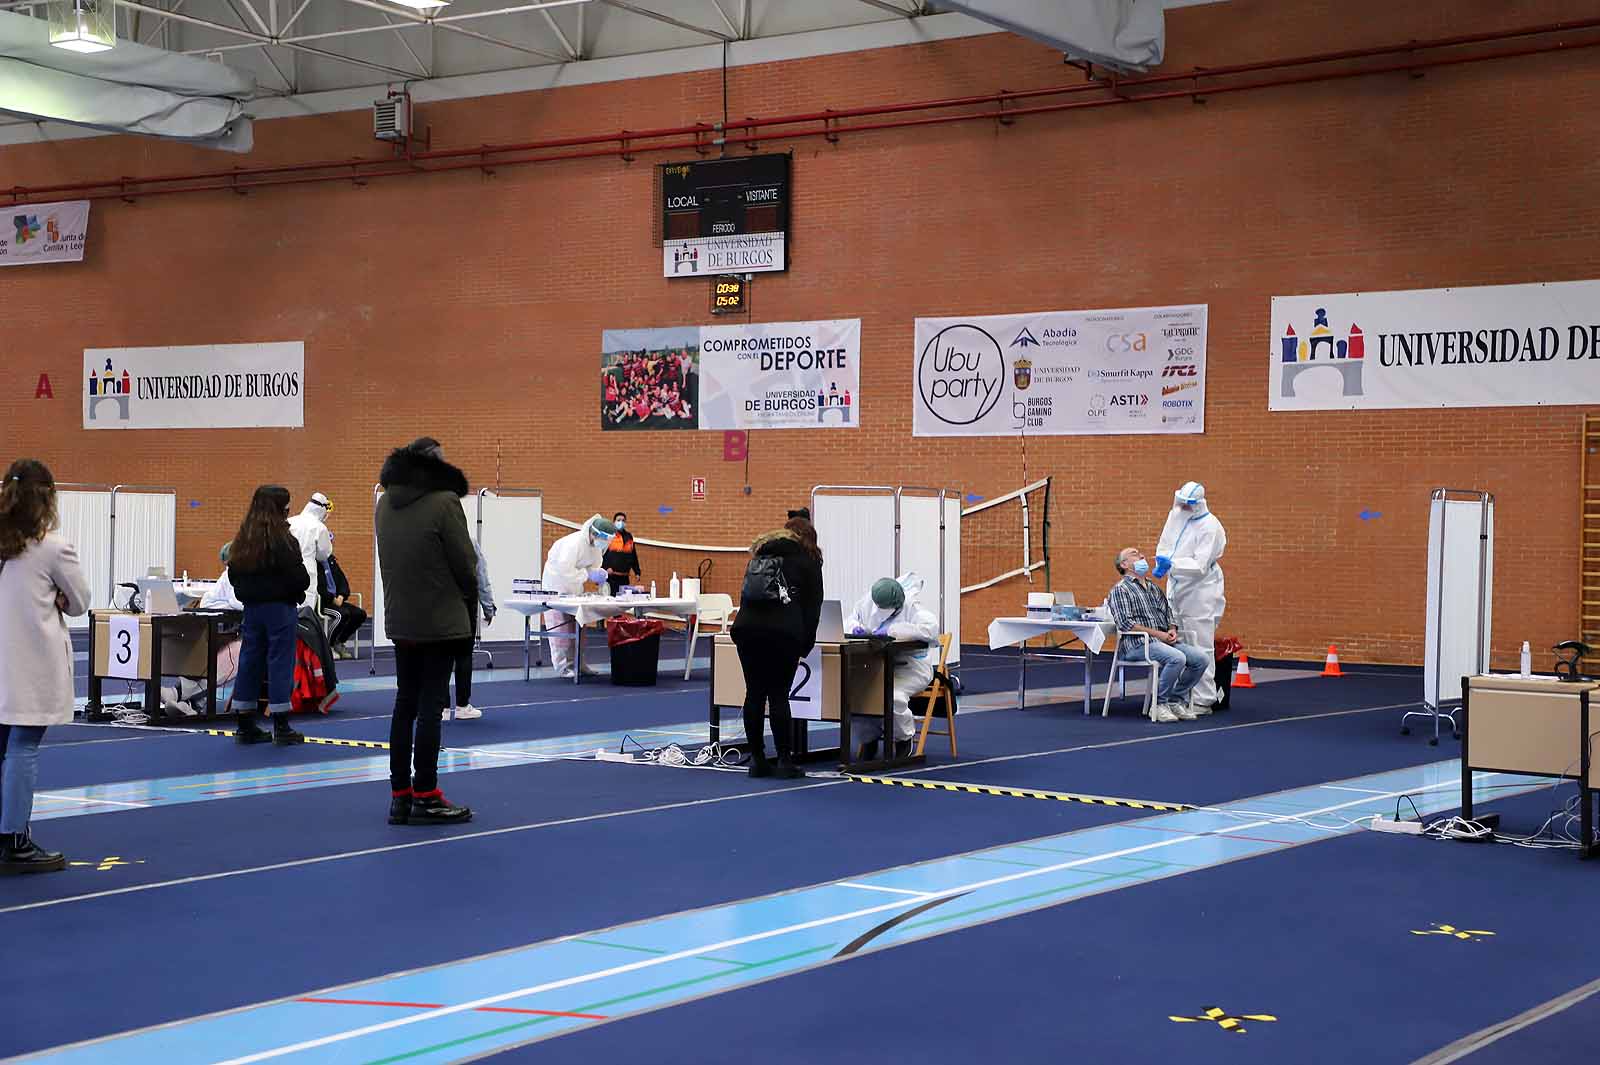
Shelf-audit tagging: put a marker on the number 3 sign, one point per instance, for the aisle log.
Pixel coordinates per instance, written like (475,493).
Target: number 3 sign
(122,657)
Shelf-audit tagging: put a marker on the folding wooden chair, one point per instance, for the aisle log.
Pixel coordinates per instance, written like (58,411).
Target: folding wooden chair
(936,693)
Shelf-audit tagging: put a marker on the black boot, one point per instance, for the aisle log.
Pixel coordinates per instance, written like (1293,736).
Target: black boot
(432,808)
(283,733)
(400,807)
(902,748)
(19,854)
(869,751)
(248,731)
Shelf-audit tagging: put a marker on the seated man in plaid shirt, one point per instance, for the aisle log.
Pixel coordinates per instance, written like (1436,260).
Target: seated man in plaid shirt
(1138,605)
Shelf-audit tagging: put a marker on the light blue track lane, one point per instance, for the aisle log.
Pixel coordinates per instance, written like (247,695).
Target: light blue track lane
(465,1009)
(208,787)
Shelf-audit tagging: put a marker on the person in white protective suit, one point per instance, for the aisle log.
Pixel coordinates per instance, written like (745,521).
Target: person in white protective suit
(1191,543)
(310,529)
(893,608)
(574,559)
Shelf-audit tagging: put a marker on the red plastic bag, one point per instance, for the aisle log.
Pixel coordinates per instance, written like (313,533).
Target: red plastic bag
(625,629)
(1227,645)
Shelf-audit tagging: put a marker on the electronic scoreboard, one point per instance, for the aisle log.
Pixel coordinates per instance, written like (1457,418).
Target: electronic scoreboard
(724,216)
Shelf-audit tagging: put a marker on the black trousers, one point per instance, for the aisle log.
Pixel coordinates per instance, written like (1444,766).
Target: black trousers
(769,667)
(351,618)
(463,666)
(422,688)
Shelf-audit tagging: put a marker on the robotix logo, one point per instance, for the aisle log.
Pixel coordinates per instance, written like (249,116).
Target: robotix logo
(1177,404)
(1180,371)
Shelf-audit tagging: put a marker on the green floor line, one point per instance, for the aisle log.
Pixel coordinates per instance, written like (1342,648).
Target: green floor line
(619,946)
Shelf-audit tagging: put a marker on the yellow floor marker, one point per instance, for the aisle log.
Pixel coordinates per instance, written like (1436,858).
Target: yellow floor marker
(1021,793)
(1223,1019)
(113,862)
(1469,934)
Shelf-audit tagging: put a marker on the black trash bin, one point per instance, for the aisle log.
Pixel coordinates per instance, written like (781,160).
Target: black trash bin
(635,650)
(1227,650)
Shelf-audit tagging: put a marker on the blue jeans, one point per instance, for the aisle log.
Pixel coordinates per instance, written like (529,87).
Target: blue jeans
(19,774)
(267,647)
(1181,667)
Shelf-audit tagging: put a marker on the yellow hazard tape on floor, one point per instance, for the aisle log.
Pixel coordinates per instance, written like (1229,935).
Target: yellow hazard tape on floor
(323,740)
(1023,793)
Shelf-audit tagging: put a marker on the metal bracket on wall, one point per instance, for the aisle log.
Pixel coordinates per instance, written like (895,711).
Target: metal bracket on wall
(483,162)
(1001,117)
(622,143)
(830,128)
(1197,98)
(127,195)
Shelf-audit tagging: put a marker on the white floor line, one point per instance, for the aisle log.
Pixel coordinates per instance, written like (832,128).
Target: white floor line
(90,802)
(890,890)
(1341,787)
(821,922)
(434,842)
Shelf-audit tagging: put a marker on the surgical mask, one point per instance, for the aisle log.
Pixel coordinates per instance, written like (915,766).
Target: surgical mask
(1141,567)
(621,524)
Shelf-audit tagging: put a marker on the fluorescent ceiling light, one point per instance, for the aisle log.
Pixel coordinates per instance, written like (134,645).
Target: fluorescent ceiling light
(422,5)
(82,25)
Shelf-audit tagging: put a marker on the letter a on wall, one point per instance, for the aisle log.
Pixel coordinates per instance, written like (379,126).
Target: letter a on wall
(43,390)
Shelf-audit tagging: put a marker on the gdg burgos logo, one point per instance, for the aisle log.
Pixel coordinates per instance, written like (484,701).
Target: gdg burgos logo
(960,374)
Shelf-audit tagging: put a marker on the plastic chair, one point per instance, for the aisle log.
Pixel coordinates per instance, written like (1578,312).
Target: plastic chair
(1121,665)
(936,693)
(712,608)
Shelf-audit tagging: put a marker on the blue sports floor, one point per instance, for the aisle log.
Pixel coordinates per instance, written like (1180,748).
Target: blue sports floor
(249,904)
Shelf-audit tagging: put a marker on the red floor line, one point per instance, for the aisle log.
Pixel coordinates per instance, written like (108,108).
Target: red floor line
(440,1005)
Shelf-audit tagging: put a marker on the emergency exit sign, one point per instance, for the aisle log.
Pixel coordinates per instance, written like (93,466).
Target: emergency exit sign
(697,488)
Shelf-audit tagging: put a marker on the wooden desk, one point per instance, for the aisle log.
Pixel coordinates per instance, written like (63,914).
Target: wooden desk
(857,678)
(179,645)
(1536,726)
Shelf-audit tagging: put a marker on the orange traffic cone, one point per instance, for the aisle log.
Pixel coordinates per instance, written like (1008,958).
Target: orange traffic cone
(1241,673)
(1331,667)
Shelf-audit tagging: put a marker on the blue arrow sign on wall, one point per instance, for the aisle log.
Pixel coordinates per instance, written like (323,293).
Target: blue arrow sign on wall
(1368,515)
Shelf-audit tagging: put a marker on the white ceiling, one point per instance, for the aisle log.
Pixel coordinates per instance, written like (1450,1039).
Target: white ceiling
(318,51)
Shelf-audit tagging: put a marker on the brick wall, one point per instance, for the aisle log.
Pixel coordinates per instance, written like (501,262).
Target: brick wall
(470,307)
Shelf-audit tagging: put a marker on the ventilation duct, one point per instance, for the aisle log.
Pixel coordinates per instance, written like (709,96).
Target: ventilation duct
(1126,35)
(129,89)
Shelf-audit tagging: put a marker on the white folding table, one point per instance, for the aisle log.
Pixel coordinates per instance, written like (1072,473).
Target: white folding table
(1016,631)
(586,609)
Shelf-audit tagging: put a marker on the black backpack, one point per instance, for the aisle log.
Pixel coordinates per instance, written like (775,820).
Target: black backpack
(764,581)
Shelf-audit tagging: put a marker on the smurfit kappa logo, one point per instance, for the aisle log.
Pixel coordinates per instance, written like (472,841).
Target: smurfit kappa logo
(107,386)
(1322,349)
(960,374)
(1024,339)
(27,227)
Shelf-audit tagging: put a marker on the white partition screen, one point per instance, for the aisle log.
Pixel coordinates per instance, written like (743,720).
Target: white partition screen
(86,523)
(146,529)
(511,538)
(920,552)
(1460,592)
(856,534)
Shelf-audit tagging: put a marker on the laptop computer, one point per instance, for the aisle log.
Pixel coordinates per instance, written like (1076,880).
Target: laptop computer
(830,626)
(158,595)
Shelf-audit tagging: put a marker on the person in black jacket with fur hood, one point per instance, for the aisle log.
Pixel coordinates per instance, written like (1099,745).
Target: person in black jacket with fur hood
(773,637)
(430,585)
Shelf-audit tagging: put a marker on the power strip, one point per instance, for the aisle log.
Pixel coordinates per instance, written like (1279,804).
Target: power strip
(603,755)
(1379,823)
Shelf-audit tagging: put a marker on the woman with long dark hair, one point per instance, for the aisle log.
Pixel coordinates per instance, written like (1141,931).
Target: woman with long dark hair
(40,581)
(775,628)
(270,579)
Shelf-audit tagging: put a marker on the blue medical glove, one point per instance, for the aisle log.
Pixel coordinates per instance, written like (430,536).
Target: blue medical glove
(598,576)
(859,630)
(1163,564)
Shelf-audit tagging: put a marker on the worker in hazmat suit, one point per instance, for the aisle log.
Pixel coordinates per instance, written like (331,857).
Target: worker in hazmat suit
(310,529)
(893,608)
(574,559)
(1187,554)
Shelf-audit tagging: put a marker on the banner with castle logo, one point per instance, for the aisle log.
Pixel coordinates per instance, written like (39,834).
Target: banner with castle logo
(1490,346)
(44,233)
(1061,373)
(207,386)
(755,375)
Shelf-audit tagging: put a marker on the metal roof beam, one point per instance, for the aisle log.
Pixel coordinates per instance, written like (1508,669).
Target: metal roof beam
(668,19)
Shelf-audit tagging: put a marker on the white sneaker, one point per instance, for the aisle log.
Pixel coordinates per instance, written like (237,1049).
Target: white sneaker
(467,713)
(1199,709)
(567,674)
(1183,711)
(590,671)
(1163,715)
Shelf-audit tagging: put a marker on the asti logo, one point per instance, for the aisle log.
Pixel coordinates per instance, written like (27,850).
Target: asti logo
(1118,343)
(1180,371)
(1168,390)
(1024,339)
(1130,399)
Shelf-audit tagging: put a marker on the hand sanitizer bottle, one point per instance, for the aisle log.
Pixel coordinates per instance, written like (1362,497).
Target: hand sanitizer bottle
(674,587)
(652,589)
(1527,660)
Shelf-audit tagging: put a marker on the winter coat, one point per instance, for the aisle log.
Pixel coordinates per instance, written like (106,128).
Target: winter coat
(35,651)
(426,559)
(621,557)
(281,579)
(796,620)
